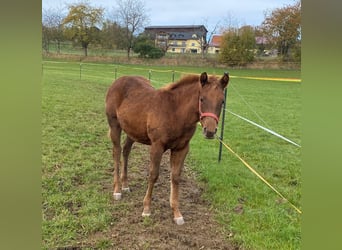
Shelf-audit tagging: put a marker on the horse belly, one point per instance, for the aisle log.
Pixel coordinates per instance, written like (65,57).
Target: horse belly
(133,123)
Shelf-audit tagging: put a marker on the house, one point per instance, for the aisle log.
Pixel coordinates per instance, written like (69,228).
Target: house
(215,44)
(265,47)
(179,39)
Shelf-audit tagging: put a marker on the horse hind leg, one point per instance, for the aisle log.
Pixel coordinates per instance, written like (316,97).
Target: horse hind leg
(125,153)
(115,135)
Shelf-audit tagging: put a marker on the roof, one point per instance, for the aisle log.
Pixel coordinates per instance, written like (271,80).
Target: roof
(178,27)
(261,40)
(216,40)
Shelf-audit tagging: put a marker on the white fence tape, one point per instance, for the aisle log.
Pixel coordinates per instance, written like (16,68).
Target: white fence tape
(266,129)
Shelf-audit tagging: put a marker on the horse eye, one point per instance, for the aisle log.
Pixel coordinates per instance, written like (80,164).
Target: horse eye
(201,99)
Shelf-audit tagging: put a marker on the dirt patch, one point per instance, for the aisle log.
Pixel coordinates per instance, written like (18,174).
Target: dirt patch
(131,231)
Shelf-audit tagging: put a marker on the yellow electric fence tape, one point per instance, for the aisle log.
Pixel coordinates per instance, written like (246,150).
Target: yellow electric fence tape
(257,174)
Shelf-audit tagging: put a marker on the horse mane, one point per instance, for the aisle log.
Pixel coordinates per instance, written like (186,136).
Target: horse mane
(186,80)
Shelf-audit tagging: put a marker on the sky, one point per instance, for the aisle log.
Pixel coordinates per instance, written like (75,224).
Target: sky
(210,13)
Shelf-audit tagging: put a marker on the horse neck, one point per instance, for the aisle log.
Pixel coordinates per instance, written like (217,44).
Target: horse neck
(187,98)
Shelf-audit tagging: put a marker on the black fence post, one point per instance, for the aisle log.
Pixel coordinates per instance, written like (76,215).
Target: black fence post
(222,124)
(173,76)
(115,72)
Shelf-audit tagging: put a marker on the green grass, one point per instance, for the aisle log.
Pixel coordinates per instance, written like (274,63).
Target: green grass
(267,222)
(77,154)
(73,150)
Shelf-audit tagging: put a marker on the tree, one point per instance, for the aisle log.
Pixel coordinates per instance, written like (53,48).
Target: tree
(131,15)
(205,39)
(210,36)
(237,46)
(112,35)
(283,29)
(146,48)
(52,28)
(80,24)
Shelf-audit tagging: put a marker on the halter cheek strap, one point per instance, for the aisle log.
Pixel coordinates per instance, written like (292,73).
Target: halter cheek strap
(206,114)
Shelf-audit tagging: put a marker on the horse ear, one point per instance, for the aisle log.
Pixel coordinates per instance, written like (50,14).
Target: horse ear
(204,78)
(224,80)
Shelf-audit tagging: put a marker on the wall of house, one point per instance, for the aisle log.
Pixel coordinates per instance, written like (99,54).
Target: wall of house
(213,49)
(178,39)
(184,46)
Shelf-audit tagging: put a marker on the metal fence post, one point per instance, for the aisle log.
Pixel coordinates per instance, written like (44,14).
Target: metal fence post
(222,124)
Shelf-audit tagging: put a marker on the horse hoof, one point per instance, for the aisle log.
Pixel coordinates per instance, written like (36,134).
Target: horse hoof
(179,221)
(126,189)
(117,196)
(145,214)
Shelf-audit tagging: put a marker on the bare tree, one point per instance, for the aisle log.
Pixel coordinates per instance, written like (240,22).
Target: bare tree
(132,16)
(205,43)
(230,22)
(52,27)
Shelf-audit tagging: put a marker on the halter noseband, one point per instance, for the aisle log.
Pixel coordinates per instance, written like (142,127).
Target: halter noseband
(206,114)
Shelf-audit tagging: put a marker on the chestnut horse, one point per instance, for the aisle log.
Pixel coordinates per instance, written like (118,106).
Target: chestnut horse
(165,118)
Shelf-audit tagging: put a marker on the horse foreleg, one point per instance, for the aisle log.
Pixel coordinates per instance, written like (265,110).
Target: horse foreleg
(156,153)
(115,134)
(177,161)
(126,151)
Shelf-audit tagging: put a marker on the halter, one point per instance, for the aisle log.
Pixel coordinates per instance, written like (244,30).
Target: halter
(206,114)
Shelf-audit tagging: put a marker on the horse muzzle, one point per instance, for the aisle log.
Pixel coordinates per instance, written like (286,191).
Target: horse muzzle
(208,133)
(209,123)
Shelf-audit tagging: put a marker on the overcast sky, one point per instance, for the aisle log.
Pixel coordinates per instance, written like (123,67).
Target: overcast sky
(194,12)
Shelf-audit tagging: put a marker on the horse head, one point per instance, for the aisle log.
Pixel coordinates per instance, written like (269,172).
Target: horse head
(210,102)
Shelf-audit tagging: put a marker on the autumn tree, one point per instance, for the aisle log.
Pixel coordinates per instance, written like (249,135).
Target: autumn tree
(131,15)
(237,47)
(81,24)
(282,28)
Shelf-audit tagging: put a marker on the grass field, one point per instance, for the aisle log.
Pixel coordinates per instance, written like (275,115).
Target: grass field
(77,154)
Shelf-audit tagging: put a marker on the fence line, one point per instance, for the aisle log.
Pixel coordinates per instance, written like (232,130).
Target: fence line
(249,106)
(258,175)
(266,129)
(183,72)
(116,73)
